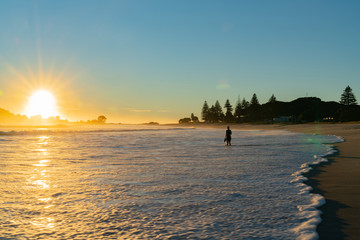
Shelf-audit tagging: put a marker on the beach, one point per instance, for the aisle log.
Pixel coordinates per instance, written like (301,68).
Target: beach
(337,180)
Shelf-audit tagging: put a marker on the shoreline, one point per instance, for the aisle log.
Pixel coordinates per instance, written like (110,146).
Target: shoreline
(337,180)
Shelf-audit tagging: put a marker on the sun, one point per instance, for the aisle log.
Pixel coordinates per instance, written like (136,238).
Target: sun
(42,102)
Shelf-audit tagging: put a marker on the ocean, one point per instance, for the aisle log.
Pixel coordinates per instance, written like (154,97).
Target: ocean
(149,182)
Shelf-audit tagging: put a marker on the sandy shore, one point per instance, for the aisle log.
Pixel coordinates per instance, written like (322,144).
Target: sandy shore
(338,180)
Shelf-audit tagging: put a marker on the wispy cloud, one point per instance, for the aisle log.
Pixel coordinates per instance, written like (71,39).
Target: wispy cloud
(137,110)
(222,85)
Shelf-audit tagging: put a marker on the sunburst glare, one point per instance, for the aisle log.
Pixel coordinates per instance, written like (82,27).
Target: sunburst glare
(42,102)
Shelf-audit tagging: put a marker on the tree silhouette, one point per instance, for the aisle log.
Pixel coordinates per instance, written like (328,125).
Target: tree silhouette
(101,119)
(212,115)
(348,98)
(306,109)
(254,100)
(228,115)
(272,99)
(245,104)
(238,108)
(194,118)
(184,120)
(219,112)
(205,112)
(228,106)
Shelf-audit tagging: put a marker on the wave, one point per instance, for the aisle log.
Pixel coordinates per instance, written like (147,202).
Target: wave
(42,131)
(311,212)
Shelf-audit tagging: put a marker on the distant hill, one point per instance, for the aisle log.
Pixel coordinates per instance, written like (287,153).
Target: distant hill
(301,110)
(6,117)
(307,109)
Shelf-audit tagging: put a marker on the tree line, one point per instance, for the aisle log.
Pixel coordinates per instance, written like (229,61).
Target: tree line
(307,109)
(8,118)
(243,107)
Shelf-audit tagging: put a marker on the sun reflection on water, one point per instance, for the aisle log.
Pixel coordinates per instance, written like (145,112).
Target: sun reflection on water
(42,163)
(44,199)
(41,185)
(44,222)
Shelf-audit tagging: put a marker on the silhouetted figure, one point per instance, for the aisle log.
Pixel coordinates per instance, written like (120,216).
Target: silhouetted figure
(228,136)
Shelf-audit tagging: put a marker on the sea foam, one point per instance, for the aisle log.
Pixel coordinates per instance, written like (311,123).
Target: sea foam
(148,183)
(310,212)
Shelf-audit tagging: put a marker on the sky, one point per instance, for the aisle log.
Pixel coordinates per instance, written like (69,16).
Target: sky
(138,61)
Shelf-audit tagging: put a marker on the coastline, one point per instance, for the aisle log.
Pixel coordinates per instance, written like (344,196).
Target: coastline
(338,180)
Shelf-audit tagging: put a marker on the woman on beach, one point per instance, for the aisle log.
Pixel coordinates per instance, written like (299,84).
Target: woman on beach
(228,136)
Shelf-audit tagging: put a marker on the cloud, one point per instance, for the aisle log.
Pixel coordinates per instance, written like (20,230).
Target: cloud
(222,85)
(137,110)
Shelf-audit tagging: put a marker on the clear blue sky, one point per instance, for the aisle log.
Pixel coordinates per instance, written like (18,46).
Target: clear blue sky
(159,60)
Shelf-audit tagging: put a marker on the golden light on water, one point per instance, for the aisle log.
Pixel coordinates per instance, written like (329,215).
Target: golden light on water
(43,103)
(41,185)
(42,163)
(44,222)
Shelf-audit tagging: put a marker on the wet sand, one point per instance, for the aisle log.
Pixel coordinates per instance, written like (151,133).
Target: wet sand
(337,180)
